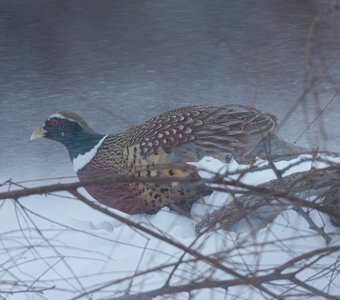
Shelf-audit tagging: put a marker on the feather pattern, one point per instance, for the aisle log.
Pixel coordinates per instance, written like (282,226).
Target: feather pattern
(236,129)
(162,147)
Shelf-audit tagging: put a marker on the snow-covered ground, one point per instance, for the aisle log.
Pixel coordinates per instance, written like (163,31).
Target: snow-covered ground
(64,249)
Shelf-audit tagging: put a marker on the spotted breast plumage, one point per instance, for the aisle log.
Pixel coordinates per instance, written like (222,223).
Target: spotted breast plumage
(162,147)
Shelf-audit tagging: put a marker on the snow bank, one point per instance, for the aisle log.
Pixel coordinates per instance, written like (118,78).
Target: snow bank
(59,244)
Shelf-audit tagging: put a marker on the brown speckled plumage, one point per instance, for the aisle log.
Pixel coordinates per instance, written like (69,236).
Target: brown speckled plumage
(163,145)
(175,137)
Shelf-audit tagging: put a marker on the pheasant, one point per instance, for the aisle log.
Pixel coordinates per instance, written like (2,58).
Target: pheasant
(162,147)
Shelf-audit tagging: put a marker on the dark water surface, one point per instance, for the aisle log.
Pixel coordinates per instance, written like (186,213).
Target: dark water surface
(120,62)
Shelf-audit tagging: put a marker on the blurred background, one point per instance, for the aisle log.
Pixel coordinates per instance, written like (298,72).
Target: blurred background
(120,62)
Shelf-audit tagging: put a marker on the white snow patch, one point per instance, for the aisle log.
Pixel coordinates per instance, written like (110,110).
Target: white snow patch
(208,167)
(83,159)
(100,249)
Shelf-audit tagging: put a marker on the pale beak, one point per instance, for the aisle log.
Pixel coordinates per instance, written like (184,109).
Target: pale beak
(38,133)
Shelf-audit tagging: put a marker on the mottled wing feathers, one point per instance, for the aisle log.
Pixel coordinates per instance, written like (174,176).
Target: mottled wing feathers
(166,130)
(228,129)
